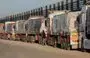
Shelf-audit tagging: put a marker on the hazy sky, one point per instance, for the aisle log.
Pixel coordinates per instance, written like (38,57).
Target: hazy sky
(8,7)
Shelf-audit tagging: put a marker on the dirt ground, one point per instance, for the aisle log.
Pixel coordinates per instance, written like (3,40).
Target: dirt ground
(16,49)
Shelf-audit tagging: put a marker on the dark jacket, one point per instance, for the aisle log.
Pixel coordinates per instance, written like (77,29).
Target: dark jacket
(43,35)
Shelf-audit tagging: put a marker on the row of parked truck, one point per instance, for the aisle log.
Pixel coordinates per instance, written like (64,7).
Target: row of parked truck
(65,29)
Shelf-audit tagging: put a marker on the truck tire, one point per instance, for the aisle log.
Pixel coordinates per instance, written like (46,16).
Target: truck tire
(55,43)
(69,48)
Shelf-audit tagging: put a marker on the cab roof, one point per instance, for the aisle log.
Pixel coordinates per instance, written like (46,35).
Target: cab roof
(35,17)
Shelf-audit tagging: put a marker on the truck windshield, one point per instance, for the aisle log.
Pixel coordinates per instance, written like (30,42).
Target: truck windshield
(34,24)
(88,23)
(8,28)
(59,23)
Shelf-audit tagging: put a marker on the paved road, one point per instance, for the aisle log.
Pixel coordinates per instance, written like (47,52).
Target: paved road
(14,49)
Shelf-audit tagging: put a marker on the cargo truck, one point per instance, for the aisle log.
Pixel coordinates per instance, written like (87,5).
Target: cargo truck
(61,29)
(20,30)
(3,34)
(84,27)
(9,29)
(32,28)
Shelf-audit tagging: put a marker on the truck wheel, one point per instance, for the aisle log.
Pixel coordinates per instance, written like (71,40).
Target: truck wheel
(8,38)
(82,49)
(25,40)
(30,39)
(33,39)
(69,48)
(55,43)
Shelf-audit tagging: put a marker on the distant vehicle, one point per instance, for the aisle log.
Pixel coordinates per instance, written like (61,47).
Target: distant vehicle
(32,28)
(20,30)
(9,29)
(3,34)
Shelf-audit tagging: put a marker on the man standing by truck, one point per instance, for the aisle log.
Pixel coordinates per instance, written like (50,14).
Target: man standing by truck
(43,37)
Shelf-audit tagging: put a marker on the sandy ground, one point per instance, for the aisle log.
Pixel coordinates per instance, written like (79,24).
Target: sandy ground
(16,49)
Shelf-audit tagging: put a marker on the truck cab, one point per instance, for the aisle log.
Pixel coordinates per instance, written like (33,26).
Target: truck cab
(84,27)
(10,29)
(61,27)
